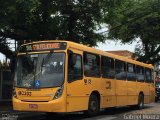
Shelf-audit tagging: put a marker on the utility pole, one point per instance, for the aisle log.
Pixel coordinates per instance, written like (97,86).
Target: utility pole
(15,45)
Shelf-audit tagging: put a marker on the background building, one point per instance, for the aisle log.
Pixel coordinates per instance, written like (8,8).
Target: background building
(124,53)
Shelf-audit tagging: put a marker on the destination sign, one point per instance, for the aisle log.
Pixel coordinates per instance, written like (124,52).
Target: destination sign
(43,46)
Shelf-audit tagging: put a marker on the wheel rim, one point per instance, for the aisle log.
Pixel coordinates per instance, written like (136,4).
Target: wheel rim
(141,104)
(93,105)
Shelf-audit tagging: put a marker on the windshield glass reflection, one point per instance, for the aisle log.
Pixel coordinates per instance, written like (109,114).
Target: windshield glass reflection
(40,70)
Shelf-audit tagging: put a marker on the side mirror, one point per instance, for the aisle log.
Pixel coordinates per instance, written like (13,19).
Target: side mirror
(70,52)
(71,58)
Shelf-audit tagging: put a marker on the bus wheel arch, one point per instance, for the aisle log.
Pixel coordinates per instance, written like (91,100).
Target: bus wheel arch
(93,104)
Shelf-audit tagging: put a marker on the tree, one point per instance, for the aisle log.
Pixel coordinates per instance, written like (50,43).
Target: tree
(75,20)
(134,19)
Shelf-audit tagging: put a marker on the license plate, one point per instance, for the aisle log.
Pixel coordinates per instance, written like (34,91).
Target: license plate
(33,106)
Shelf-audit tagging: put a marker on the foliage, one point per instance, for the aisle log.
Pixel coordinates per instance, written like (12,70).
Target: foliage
(134,19)
(74,20)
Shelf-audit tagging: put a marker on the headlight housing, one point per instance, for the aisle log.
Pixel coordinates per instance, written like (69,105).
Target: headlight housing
(58,93)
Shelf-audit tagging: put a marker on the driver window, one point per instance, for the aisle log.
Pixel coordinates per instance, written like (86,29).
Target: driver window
(74,67)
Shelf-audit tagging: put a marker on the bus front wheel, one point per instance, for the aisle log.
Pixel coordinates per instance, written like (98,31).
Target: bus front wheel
(93,106)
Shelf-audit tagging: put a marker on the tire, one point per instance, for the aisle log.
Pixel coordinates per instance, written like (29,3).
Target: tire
(156,99)
(93,106)
(140,104)
(51,114)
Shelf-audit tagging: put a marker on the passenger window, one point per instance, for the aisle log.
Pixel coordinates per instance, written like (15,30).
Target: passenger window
(91,65)
(148,75)
(131,75)
(120,68)
(107,66)
(140,73)
(75,67)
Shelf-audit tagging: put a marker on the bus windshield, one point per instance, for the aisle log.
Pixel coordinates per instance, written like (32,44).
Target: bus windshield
(40,70)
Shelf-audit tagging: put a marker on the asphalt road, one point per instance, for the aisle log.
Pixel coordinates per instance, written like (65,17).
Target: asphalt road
(150,112)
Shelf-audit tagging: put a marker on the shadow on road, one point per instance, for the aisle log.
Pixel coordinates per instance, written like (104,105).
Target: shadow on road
(80,115)
(121,110)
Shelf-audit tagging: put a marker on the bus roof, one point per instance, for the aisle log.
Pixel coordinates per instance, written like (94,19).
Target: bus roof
(95,51)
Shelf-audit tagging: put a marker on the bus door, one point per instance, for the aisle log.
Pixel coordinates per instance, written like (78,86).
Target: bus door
(109,98)
(76,90)
(121,83)
(150,85)
(131,84)
(146,89)
(152,92)
(108,75)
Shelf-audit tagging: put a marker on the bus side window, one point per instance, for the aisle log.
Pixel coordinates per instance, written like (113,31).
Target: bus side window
(107,66)
(148,75)
(140,73)
(74,67)
(120,68)
(91,65)
(131,75)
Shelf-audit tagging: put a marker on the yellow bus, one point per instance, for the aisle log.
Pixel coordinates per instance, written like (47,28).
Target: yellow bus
(63,76)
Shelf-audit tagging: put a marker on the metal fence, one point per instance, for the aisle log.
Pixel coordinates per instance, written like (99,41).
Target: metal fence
(6,83)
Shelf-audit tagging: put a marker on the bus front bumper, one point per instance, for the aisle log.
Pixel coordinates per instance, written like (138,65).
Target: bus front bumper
(50,106)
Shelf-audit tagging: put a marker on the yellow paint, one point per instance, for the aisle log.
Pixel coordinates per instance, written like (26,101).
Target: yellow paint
(75,96)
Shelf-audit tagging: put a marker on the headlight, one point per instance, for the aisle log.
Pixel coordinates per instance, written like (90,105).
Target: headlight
(58,92)
(14,92)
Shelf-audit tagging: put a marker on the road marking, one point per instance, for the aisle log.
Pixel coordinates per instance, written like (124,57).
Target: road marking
(107,118)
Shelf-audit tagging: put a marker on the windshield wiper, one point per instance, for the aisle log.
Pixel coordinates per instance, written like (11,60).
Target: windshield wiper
(42,65)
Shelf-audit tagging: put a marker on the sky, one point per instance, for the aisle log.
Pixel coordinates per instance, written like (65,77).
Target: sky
(2,57)
(109,45)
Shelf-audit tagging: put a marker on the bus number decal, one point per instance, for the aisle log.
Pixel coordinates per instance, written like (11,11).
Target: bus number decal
(108,85)
(87,81)
(25,93)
